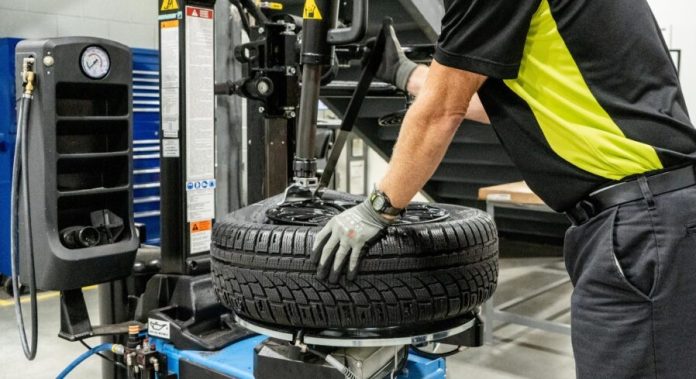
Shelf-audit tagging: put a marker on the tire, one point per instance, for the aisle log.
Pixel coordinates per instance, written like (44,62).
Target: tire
(417,274)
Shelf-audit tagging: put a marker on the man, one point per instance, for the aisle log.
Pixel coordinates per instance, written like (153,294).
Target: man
(585,99)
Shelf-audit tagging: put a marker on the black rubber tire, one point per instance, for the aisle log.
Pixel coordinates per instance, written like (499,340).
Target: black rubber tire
(416,274)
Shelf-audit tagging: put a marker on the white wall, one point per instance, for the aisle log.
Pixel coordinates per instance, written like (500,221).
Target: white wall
(131,22)
(677,18)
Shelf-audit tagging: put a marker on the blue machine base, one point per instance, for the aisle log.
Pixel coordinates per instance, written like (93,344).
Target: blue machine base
(237,360)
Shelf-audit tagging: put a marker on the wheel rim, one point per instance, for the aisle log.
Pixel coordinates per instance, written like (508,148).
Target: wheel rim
(392,119)
(318,213)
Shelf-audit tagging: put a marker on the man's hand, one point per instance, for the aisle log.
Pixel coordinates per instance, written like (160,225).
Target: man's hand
(346,235)
(395,68)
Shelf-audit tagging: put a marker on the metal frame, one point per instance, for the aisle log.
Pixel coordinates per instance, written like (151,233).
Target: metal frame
(377,341)
(501,313)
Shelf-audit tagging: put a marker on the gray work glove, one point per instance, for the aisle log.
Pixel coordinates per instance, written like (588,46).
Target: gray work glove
(395,68)
(346,235)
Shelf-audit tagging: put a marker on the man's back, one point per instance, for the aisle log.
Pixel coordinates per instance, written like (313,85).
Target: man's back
(581,93)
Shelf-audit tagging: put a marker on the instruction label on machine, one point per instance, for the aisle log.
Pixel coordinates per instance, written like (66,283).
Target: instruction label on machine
(201,234)
(170,147)
(200,126)
(200,199)
(158,328)
(169,39)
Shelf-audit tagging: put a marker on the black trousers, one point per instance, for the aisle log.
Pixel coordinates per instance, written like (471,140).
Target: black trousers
(633,308)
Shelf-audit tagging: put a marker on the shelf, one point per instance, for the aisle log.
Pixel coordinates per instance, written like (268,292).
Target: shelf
(93,191)
(115,154)
(92,119)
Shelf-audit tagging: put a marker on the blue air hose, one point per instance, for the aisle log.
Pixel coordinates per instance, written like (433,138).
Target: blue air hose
(83,357)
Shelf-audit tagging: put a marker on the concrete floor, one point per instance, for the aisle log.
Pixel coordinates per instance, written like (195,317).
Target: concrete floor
(53,353)
(517,352)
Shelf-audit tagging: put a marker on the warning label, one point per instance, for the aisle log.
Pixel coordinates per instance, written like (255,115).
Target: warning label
(199,12)
(169,24)
(169,5)
(311,11)
(169,39)
(201,226)
(200,124)
(200,237)
(200,99)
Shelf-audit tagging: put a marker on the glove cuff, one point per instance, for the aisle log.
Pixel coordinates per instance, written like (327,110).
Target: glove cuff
(403,73)
(376,217)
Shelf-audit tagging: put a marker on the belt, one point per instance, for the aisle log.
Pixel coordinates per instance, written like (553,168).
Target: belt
(626,192)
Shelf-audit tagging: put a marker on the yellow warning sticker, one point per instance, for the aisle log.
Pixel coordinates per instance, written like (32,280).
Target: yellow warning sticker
(311,11)
(270,5)
(169,5)
(169,24)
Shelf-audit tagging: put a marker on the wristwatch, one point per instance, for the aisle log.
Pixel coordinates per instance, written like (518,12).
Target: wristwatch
(381,204)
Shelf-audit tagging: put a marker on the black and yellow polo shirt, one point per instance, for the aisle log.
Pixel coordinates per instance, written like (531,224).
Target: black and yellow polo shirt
(580,92)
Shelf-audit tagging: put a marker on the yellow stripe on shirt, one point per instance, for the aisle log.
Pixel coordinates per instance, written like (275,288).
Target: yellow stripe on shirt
(573,122)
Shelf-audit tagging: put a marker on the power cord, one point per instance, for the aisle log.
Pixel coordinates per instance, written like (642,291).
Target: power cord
(20,189)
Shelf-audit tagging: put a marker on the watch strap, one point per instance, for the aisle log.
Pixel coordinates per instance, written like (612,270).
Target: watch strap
(387,209)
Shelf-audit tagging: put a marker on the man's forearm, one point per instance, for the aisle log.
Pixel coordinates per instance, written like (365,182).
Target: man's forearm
(475,112)
(419,150)
(427,131)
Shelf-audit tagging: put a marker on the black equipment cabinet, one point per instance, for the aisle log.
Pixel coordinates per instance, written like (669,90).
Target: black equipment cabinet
(80,162)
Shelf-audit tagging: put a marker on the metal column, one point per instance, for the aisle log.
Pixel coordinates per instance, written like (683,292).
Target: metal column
(187,133)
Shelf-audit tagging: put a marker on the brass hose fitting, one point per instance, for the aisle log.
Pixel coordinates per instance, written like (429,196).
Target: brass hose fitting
(28,75)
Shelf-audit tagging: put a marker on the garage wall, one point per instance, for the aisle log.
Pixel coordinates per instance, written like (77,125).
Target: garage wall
(676,17)
(131,22)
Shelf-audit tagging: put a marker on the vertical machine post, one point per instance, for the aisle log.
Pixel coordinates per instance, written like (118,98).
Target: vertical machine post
(319,17)
(187,133)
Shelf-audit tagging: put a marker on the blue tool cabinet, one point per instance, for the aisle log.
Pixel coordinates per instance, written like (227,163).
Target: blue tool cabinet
(8,123)
(146,146)
(146,105)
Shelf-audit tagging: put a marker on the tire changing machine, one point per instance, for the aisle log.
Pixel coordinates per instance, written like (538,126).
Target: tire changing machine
(176,328)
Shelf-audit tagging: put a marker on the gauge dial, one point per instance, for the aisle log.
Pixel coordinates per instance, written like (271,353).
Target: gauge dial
(95,62)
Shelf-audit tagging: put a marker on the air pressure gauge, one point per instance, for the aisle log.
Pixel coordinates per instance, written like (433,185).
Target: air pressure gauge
(95,62)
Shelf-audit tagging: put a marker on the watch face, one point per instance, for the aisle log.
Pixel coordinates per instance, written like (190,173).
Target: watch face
(378,203)
(95,62)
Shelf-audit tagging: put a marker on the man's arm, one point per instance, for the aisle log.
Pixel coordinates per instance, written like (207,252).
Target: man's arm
(416,81)
(426,133)
(409,76)
(428,129)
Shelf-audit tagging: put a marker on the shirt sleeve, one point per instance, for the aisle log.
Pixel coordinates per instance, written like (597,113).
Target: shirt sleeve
(485,36)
